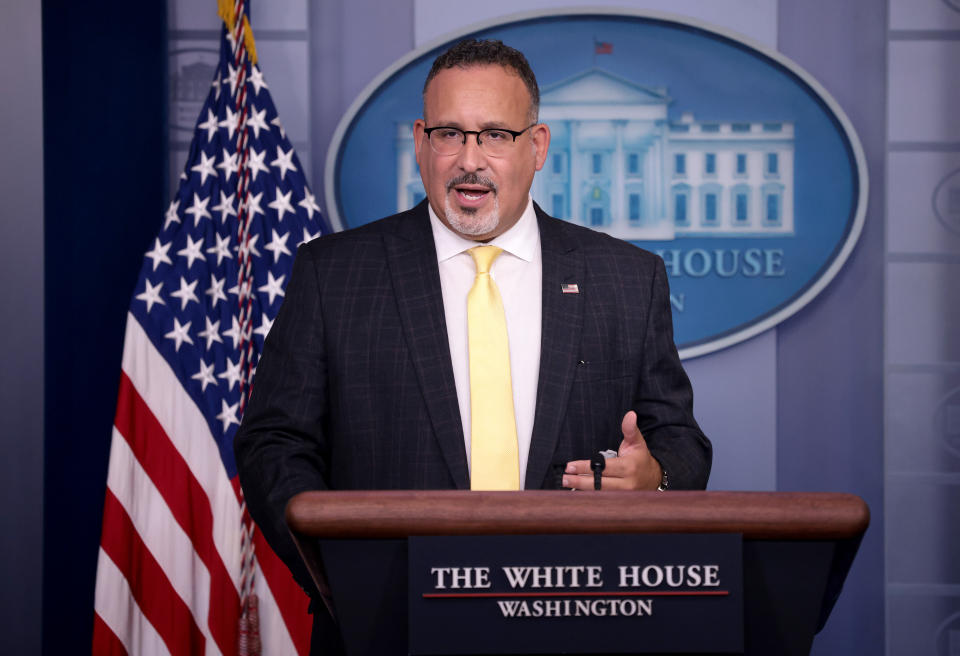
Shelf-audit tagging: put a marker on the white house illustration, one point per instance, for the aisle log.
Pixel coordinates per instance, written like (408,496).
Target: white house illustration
(618,164)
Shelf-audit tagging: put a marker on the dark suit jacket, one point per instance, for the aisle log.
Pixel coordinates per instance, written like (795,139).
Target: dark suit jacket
(355,388)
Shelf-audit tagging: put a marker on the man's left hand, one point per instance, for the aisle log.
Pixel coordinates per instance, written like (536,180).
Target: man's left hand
(633,469)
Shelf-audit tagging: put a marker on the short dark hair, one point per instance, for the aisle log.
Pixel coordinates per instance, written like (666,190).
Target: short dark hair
(472,52)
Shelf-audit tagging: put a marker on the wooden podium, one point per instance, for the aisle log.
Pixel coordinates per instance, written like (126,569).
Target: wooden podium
(797,548)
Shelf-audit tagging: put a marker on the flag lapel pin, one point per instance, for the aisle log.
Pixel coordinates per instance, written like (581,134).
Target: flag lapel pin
(570,288)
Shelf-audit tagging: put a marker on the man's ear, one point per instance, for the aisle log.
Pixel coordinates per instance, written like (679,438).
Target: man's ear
(418,127)
(540,136)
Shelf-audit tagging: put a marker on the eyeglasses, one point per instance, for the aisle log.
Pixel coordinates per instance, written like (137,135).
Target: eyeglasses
(495,142)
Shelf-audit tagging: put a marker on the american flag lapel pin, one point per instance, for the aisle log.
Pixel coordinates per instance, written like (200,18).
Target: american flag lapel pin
(570,288)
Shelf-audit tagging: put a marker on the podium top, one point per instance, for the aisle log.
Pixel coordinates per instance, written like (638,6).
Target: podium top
(399,514)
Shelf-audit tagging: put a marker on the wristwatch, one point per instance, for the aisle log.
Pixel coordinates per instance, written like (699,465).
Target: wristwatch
(664,481)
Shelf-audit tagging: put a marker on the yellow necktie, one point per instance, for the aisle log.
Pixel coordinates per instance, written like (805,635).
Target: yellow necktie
(494,457)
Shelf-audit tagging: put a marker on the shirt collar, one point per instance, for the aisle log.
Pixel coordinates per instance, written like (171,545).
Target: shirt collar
(521,240)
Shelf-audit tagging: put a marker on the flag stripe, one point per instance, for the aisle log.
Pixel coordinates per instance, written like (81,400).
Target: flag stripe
(282,586)
(188,430)
(105,641)
(117,610)
(275,581)
(187,502)
(275,635)
(154,383)
(151,589)
(166,539)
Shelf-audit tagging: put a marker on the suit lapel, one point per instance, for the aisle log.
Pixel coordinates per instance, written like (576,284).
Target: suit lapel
(412,259)
(560,339)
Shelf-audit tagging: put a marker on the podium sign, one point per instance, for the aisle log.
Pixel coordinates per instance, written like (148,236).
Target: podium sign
(642,593)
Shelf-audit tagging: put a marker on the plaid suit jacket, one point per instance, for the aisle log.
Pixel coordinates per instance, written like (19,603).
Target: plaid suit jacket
(355,387)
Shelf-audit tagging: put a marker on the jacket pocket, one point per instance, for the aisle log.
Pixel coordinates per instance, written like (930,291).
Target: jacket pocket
(587,371)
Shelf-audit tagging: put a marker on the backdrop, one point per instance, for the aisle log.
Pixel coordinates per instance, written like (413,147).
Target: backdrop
(858,392)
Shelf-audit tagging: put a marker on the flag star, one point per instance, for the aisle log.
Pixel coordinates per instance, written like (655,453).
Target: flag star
(225,207)
(265,325)
(210,125)
(234,332)
(232,74)
(215,290)
(256,79)
(230,122)
(222,249)
(253,204)
(228,164)
(249,247)
(282,204)
(172,216)
(185,293)
(276,121)
(231,374)
(308,236)
(284,161)
(192,251)
(179,334)
(198,209)
(257,120)
(278,245)
(205,167)
(211,332)
(255,163)
(151,295)
(228,414)
(159,253)
(205,375)
(232,40)
(274,286)
(216,85)
(309,201)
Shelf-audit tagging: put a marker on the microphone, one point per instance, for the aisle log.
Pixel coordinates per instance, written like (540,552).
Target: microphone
(597,463)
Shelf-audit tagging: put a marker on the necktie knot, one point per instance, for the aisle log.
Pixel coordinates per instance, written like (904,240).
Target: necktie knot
(483,257)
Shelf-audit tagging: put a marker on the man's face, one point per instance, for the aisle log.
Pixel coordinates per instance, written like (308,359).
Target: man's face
(473,194)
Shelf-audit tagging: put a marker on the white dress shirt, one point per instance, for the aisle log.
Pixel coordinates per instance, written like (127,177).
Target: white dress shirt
(518,274)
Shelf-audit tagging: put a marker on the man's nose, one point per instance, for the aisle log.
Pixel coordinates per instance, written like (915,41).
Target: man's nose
(471,156)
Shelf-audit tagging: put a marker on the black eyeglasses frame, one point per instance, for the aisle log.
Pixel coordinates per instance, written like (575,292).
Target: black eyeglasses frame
(512,133)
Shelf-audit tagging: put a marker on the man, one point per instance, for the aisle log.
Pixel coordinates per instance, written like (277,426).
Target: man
(370,373)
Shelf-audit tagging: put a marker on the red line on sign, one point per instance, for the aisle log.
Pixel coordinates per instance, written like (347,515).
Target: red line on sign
(653,593)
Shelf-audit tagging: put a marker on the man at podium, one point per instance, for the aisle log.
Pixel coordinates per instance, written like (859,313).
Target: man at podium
(473,341)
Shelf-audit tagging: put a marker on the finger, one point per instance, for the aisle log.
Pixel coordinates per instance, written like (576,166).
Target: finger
(615,467)
(625,467)
(581,467)
(586,483)
(578,482)
(631,433)
(609,483)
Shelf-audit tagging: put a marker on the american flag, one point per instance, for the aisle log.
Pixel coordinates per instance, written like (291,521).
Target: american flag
(602,47)
(181,566)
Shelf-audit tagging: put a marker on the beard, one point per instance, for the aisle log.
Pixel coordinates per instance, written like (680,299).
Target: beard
(472,221)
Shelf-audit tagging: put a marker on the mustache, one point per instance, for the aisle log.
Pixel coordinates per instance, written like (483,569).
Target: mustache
(472,179)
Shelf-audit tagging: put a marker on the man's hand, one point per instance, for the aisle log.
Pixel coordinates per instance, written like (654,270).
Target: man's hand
(633,469)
